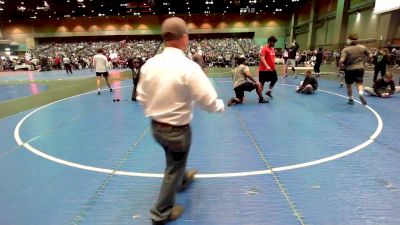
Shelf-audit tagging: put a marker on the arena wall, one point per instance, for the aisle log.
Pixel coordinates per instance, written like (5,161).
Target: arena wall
(262,26)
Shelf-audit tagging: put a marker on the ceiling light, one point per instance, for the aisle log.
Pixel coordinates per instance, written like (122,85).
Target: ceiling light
(80,1)
(21,8)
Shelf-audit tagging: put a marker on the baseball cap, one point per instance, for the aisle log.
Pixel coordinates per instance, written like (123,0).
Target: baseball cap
(173,28)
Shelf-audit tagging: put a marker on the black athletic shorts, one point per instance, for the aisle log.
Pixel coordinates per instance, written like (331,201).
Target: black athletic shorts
(267,76)
(239,90)
(104,74)
(351,76)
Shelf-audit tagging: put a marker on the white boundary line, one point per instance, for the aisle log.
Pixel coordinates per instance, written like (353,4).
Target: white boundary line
(370,140)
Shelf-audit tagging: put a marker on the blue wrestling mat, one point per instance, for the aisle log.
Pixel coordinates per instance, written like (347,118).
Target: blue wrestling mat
(301,159)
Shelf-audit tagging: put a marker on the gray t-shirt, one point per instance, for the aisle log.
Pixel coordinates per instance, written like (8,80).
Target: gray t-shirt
(239,75)
(354,57)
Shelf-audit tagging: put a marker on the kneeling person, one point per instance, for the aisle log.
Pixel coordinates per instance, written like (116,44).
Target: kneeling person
(240,83)
(381,85)
(309,85)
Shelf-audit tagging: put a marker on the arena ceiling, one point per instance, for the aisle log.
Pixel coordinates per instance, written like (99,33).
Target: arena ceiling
(17,10)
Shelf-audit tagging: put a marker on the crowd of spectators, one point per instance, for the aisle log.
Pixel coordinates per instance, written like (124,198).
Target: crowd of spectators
(217,52)
(50,56)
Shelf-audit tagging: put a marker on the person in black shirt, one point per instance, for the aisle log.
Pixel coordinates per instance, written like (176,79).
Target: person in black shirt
(135,64)
(318,62)
(309,85)
(381,85)
(381,60)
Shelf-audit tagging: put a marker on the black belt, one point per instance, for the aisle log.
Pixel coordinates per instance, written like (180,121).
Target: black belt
(168,125)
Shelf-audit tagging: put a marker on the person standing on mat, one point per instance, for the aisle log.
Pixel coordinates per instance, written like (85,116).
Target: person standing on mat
(100,63)
(291,61)
(352,59)
(67,64)
(381,60)
(135,66)
(267,72)
(169,85)
(318,62)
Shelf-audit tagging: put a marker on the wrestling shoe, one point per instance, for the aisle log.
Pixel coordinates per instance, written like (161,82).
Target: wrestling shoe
(231,102)
(350,102)
(262,100)
(176,212)
(268,93)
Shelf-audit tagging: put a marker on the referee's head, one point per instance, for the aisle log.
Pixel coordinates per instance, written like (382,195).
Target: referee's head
(175,33)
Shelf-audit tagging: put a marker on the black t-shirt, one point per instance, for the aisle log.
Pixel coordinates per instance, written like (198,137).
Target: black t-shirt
(292,50)
(310,80)
(319,57)
(380,87)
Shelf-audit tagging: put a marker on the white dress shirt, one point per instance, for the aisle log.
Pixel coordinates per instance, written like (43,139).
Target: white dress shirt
(169,84)
(100,63)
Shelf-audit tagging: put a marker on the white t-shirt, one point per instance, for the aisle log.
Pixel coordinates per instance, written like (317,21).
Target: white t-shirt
(100,63)
(169,84)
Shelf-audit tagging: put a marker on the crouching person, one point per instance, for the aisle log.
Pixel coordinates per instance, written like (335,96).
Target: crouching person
(241,74)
